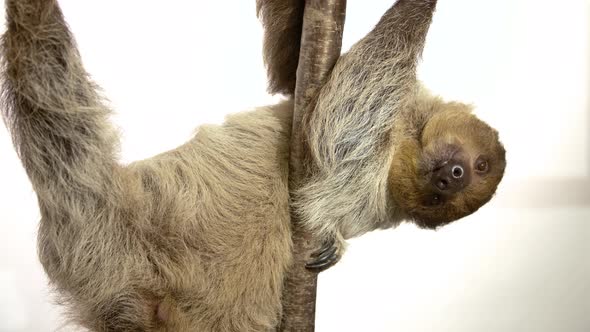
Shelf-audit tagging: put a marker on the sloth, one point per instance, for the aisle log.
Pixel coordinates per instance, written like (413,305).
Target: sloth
(199,238)
(383,148)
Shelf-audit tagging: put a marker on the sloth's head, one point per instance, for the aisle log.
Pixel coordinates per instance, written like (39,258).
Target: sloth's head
(456,165)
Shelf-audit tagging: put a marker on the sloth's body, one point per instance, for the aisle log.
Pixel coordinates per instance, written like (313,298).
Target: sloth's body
(199,235)
(198,238)
(216,219)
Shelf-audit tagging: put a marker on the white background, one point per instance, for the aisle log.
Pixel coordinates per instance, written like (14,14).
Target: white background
(520,264)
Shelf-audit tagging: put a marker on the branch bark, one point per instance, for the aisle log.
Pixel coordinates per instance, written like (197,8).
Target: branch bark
(321,42)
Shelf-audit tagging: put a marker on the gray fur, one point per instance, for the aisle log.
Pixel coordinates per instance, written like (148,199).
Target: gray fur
(350,130)
(164,243)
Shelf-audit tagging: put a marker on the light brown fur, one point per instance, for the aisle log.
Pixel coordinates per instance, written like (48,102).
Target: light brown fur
(198,238)
(165,243)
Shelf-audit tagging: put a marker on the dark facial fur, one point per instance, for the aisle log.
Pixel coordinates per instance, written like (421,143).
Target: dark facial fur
(458,162)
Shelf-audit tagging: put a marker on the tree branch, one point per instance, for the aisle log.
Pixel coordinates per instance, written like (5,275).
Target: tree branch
(321,42)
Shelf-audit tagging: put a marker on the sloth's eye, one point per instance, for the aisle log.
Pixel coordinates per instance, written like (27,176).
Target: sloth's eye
(481,165)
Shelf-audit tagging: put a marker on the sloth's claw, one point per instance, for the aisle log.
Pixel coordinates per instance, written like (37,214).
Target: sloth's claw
(327,256)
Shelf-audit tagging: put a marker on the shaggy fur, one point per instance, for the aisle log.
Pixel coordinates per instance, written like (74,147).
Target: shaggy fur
(372,157)
(283,21)
(198,238)
(165,243)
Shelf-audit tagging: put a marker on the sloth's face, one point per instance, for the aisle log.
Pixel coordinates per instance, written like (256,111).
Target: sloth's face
(456,167)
